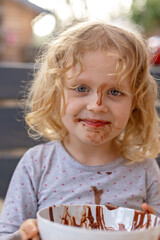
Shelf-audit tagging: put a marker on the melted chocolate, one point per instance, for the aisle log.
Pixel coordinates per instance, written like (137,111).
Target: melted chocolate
(51,214)
(138,220)
(108,173)
(111,207)
(100,94)
(122,227)
(88,221)
(97,194)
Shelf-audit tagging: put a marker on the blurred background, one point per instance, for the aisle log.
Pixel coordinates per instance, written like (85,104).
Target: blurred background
(24,26)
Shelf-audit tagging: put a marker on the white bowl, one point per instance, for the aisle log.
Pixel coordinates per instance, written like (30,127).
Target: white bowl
(96,222)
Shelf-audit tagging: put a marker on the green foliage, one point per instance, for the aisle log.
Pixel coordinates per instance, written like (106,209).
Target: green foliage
(146,13)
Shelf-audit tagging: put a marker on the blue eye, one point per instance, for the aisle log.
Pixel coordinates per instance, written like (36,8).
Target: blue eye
(114,92)
(81,89)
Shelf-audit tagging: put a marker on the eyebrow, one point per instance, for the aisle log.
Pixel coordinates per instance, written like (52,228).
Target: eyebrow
(82,80)
(76,81)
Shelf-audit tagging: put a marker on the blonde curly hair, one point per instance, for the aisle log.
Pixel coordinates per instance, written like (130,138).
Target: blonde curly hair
(140,139)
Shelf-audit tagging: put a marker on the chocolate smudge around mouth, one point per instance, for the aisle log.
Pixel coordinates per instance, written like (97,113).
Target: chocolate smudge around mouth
(94,121)
(107,123)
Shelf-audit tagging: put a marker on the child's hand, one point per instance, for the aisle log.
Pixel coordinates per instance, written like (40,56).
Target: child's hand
(148,208)
(29,230)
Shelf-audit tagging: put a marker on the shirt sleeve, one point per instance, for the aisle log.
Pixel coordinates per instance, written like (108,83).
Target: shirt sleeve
(21,200)
(12,236)
(153,186)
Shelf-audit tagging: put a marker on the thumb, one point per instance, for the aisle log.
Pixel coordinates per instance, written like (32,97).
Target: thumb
(147,208)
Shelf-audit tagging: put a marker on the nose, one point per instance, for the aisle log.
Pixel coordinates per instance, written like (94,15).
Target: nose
(97,105)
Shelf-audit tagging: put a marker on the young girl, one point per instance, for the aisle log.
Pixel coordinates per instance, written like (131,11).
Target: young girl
(94,99)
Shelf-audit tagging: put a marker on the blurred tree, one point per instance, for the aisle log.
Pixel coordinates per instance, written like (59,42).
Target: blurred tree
(147,14)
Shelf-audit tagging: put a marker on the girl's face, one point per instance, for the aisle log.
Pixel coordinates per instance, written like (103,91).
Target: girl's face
(96,111)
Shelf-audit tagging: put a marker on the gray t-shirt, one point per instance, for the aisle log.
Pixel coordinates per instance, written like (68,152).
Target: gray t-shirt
(48,175)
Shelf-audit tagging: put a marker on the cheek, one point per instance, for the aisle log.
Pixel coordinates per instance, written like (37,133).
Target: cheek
(73,105)
(69,110)
(70,107)
(65,104)
(122,115)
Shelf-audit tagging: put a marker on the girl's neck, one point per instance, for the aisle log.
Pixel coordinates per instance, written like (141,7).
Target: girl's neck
(92,155)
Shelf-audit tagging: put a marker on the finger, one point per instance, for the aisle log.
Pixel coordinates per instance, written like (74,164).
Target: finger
(37,237)
(29,229)
(148,208)
(23,235)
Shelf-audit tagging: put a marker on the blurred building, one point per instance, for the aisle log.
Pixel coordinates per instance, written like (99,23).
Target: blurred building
(16,31)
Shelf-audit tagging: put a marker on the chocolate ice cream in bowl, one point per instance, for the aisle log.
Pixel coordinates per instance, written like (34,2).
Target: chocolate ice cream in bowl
(96,222)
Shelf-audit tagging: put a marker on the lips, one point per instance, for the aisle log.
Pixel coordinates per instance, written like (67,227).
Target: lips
(94,122)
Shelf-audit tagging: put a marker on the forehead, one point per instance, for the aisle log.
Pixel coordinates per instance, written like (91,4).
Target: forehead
(100,68)
(101,64)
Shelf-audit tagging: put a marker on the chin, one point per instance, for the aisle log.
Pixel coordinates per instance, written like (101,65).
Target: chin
(94,142)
